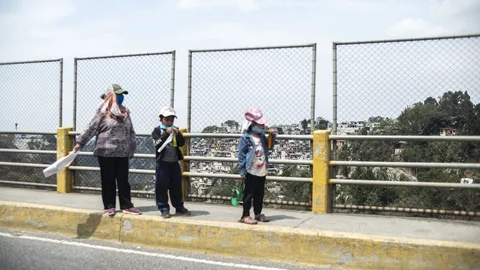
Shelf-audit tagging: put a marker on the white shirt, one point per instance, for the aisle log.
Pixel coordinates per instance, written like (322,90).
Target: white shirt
(259,164)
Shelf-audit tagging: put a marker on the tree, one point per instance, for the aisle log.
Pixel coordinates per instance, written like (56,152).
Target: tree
(453,110)
(457,106)
(231,123)
(304,124)
(295,191)
(210,129)
(321,123)
(375,119)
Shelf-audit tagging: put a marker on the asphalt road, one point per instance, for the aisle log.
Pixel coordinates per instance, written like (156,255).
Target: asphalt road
(21,250)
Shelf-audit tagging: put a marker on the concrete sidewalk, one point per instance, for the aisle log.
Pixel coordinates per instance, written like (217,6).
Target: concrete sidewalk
(338,240)
(420,228)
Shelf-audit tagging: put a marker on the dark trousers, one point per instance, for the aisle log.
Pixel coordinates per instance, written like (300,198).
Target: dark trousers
(254,190)
(113,172)
(168,178)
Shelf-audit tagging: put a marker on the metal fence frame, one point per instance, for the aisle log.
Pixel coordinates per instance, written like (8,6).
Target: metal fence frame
(331,164)
(313,77)
(216,175)
(31,165)
(334,181)
(60,99)
(76,59)
(334,53)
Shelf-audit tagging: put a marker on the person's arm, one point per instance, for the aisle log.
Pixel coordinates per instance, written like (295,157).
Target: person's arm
(156,136)
(180,139)
(133,142)
(92,130)
(242,156)
(274,139)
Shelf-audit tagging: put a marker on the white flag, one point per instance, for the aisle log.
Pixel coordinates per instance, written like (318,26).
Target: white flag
(167,141)
(59,164)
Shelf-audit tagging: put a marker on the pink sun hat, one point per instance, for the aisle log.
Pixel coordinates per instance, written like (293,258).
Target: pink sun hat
(255,115)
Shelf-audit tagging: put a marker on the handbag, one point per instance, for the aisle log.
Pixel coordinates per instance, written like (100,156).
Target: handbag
(237,194)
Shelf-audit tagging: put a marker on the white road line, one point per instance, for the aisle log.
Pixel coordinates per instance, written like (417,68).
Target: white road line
(129,251)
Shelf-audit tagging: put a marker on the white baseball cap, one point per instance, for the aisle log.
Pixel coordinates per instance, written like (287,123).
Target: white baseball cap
(168,111)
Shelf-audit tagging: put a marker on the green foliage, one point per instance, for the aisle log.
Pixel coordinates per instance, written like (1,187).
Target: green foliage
(295,191)
(304,124)
(210,129)
(453,110)
(321,123)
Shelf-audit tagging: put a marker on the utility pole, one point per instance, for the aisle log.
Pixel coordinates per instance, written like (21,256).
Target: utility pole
(16,126)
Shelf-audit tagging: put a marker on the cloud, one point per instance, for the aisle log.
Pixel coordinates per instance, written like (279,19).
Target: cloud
(243,5)
(456,8)
(410,27)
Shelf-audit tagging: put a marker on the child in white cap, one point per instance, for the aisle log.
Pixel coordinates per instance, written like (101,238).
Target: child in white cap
(168,174)
(253,164)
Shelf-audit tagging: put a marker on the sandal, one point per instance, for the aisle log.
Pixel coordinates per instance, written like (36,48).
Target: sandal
(248,220)
(262,218)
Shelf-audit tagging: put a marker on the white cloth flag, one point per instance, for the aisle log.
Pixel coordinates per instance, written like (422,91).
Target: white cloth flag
(167,141)
(59,164)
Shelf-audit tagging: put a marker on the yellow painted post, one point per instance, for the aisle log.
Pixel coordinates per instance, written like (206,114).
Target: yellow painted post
(64,146)
(321,190)
(185,165)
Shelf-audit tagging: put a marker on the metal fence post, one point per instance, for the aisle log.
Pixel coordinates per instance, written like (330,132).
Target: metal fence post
(314,75)
(185,165)
(64,145)
(320,186)
(60,105)
(172,94)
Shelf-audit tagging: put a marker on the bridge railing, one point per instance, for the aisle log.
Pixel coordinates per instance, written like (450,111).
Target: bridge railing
(325,188)
(23,156)
(409,195)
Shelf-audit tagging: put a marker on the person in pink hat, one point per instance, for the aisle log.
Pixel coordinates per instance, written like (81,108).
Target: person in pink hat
(253,164)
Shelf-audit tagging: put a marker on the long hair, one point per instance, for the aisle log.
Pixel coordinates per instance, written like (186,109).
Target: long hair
(110,100)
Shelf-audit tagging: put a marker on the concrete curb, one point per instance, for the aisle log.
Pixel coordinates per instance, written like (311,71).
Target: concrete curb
(343,250)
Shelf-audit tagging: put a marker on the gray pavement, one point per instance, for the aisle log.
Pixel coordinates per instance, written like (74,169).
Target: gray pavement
(20,250)
(418,228)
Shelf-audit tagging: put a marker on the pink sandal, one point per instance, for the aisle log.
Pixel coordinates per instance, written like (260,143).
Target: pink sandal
(248,220)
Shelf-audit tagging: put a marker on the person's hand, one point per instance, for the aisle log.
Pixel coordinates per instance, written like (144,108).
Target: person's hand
(76,147)
(243,177)
(172,129)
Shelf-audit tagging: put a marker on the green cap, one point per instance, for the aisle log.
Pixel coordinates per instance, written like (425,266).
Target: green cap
(115,88)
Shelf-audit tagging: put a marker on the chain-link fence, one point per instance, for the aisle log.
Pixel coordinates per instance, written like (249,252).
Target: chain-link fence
(428,86)
(224,83)
(32,93)
(149,79)
(27,148)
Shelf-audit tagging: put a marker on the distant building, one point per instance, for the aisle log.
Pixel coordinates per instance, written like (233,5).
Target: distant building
(448,131)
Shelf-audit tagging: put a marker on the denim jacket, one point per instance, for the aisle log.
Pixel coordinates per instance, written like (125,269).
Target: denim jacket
(246,151)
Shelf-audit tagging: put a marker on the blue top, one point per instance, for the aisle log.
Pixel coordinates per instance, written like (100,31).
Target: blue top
(246,151)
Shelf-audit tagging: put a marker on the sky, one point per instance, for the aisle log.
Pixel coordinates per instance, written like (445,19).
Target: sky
(48,29)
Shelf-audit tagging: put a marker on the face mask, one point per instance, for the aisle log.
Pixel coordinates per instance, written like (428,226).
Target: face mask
(120,99)
(164,127)
(258,130)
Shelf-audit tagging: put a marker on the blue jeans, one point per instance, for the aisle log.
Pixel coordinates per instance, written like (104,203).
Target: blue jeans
(168,178)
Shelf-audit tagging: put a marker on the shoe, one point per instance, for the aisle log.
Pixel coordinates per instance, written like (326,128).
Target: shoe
(182,211)
(262,218)
(248,220)
(110,211)
(132,210)
(166,214)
